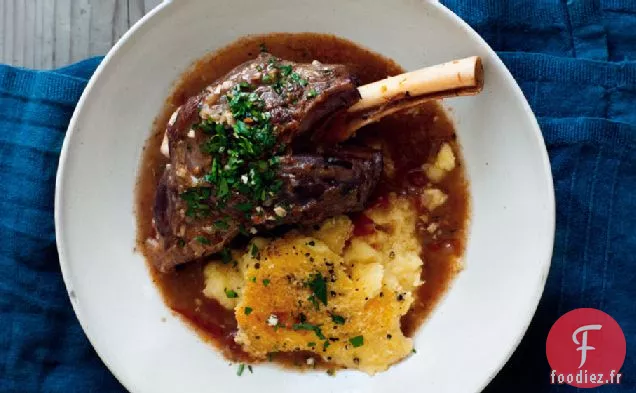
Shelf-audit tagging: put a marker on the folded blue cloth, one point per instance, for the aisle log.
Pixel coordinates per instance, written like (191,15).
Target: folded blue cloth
(574,61)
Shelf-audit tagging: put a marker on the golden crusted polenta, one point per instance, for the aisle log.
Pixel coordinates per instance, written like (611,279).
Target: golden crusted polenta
(224,281)
(327,292)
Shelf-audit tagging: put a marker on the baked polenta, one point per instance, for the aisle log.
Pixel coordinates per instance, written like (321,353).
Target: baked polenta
(326,291)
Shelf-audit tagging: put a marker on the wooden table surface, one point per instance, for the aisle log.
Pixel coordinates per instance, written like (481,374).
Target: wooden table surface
(52,33)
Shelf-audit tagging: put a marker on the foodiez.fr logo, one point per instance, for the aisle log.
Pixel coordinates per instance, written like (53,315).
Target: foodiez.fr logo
(586,348)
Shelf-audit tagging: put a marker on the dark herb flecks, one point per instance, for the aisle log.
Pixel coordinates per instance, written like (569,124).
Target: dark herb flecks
(357,341)
(226,255)
(196,200)
(240,370)
(231,293)
(254,251)
(308,326)
(318,286)
(340,320)
(202,240)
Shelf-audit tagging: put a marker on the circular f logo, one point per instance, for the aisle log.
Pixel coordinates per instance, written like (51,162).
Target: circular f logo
(585,348)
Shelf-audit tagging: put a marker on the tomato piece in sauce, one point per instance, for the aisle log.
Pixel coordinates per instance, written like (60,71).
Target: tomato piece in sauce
(363,225)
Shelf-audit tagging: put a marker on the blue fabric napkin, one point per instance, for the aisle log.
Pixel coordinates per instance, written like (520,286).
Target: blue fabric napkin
(574,60)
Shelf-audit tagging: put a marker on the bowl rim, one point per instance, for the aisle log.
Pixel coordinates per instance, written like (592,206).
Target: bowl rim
(164,6)
(547,169)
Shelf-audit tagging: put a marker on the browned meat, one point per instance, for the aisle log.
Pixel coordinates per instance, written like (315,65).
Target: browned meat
(297,96)
(314,187)
(232,168)
(322,186)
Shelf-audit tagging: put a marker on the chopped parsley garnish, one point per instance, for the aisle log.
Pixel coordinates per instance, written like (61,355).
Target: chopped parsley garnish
(312,93)
(311,327)
(357,341)
(247,310)
(249,367)
(311,344)
(244,207)
(253,279)
(226,255)
(240,370)
(195,199)
(325,345)
(340,320)
(288,78)
(221,224)
(285,70)
(254,251)
(181,242)
(318,286)
(414,351)
(298,79)
(231,294)
(266,281)
(242,161)
(314,301)
(202,240)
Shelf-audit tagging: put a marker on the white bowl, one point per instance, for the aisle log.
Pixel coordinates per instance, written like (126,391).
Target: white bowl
(474,329)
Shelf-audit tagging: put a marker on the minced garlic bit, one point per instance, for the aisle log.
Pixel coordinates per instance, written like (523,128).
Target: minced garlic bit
(272,320)
(311,361)
(192,134)
(280,211)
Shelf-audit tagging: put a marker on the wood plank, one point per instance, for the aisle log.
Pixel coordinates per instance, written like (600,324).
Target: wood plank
(18,32)
(29,34)
(9,27)
(80,29)
(2,28)
(38,55)
(46,46)
(150,4)
(121,20)
(136,9)
(62,34)
(101,29)
(54,33)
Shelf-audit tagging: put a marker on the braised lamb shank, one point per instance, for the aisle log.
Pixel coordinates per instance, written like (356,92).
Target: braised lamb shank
(242,156)
(239,160)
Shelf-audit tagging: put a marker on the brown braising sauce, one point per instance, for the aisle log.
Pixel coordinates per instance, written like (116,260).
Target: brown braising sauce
(412,140)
